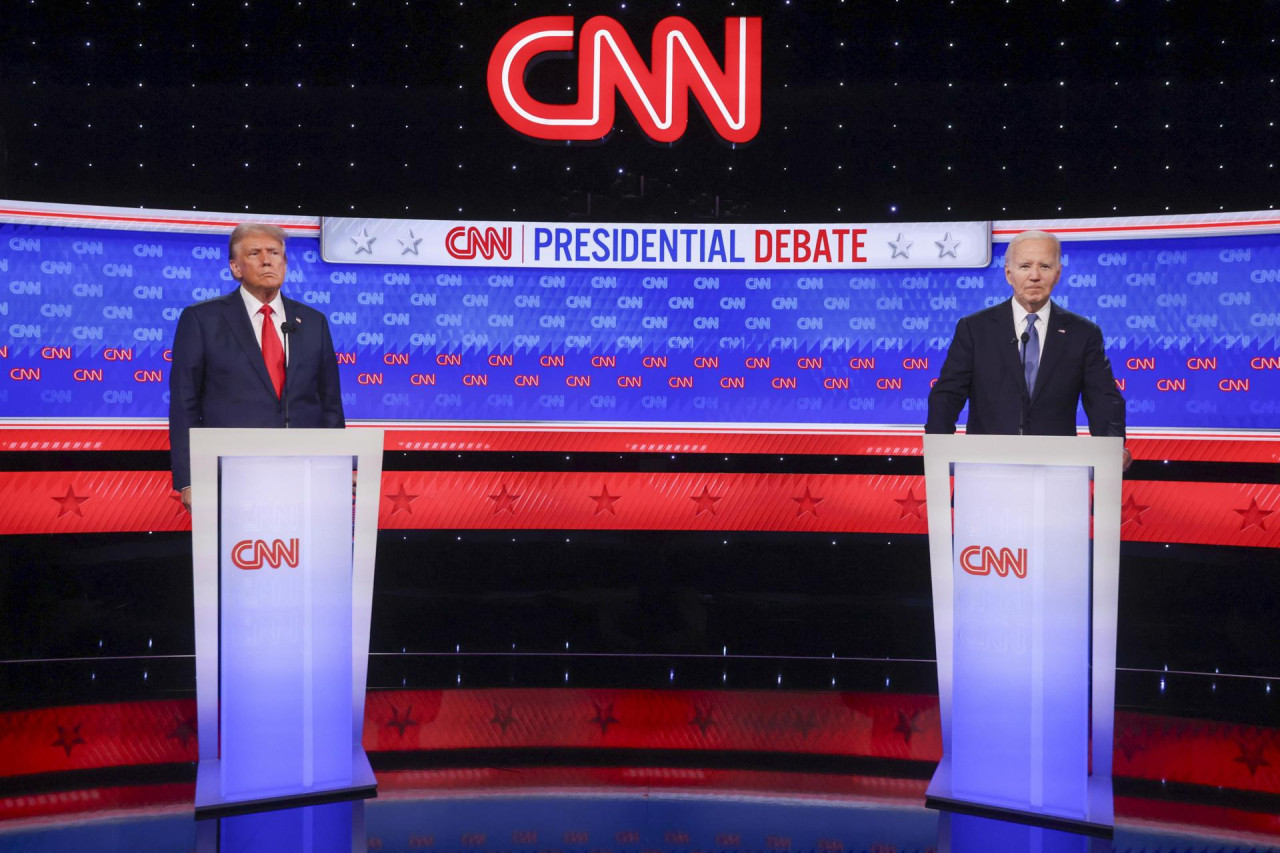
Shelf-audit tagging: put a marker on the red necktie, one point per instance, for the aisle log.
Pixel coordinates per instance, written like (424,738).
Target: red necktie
(272,352)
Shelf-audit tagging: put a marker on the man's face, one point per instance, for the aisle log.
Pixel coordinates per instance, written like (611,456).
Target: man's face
(1032,268)
(259,264)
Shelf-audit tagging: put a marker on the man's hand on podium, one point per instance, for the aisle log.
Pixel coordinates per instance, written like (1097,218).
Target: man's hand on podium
(186,498)
(1128,459)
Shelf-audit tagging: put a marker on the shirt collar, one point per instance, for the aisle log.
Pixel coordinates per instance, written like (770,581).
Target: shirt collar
(1020,316)
(253,306)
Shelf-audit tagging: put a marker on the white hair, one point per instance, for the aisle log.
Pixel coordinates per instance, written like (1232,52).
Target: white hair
(1033,235)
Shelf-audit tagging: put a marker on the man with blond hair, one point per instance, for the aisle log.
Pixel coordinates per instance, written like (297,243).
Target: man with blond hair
(251,358)
(1023,365)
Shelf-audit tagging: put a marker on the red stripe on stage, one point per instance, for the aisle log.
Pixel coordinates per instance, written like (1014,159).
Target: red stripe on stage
(82,737)
(607,438)
(675,440)
(89,502)
(874,725)
(56,217)
(862,724)
(36,439)
(50,502)
(1241,514)
(578,500)
(1169,226)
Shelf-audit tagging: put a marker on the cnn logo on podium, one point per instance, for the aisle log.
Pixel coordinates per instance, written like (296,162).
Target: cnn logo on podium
(253,553)
(983,560)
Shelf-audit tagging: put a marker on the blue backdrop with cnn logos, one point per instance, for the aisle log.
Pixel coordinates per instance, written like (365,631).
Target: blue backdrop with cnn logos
(1190,327)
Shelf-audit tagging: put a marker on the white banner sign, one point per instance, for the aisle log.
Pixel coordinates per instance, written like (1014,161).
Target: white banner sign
(560,245)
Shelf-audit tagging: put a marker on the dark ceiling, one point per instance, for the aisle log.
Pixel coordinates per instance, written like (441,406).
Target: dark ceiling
(872,110)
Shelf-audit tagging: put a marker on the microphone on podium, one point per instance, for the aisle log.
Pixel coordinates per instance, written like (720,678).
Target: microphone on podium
(287,328)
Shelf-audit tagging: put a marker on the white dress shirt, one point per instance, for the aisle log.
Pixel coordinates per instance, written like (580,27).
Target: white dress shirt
(253,306)
(1020,323)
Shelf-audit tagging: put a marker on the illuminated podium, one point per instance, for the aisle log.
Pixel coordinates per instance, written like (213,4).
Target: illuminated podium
(1024,603)
(283,594)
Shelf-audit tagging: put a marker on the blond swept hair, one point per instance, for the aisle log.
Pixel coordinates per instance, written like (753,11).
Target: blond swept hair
(249,229)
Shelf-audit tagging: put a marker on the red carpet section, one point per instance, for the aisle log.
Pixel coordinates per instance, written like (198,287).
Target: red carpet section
(870,725)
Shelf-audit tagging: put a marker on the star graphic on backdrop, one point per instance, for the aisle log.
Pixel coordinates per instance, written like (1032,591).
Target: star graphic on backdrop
(1130,743)
(502,717)
(805,722)
(703,718)
(401,500)
(69,503)
(184,730)
(901,247)
(706,502)
(807,503)
(1251,757)
(947,246)
(364,243)
(398,722)
(504,500)
(1253,515)
(1131,510)
(604,501)
(911,505)
(410,246)
(68,739)
(907,726)
(604,717)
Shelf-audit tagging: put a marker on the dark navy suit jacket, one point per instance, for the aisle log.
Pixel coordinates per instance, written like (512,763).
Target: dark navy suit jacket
(218,377)
(984,368)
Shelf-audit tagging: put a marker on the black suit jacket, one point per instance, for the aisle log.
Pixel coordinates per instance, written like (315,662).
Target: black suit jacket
(984,368)
(218,377)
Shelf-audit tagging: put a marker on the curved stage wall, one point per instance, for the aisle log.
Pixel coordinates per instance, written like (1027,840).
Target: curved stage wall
(787,411)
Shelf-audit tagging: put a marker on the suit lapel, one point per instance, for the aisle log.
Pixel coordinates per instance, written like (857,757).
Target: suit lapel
(295,338)
(237,320)
(1054,345)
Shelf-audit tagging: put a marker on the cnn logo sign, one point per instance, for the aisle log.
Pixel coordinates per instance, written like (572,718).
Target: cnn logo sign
(253,553)
(464,243)
(608,63)
(982,560)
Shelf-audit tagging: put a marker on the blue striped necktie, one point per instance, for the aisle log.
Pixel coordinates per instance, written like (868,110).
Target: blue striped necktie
(1031,352)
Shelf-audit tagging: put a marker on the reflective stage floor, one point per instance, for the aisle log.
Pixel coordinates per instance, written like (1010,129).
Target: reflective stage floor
(612,810)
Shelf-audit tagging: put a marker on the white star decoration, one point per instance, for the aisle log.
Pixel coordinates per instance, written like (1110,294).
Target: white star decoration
(947,246)
(364,243)
(901,247)
(410,246)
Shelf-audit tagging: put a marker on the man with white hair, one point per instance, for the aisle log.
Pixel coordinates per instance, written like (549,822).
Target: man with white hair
(1025,364)
(251,358)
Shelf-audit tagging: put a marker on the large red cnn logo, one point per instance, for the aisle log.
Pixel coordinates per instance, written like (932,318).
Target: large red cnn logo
(982,560)
(252,553)
(465,242)
(608,63)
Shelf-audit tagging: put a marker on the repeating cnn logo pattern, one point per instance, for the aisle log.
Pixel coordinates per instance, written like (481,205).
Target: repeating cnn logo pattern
(608,62)
(253,553)
(983,560)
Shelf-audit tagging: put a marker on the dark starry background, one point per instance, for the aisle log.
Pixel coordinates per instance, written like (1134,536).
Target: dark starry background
(872,110)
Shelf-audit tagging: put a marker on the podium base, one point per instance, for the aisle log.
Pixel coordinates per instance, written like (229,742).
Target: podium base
(210,803)
(1099,820)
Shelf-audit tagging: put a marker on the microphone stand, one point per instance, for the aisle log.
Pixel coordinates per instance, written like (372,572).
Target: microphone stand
(1026,400)
(287,329)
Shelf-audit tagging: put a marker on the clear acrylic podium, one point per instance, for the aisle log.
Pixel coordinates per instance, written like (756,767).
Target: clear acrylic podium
(1024,558)
(283,571)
